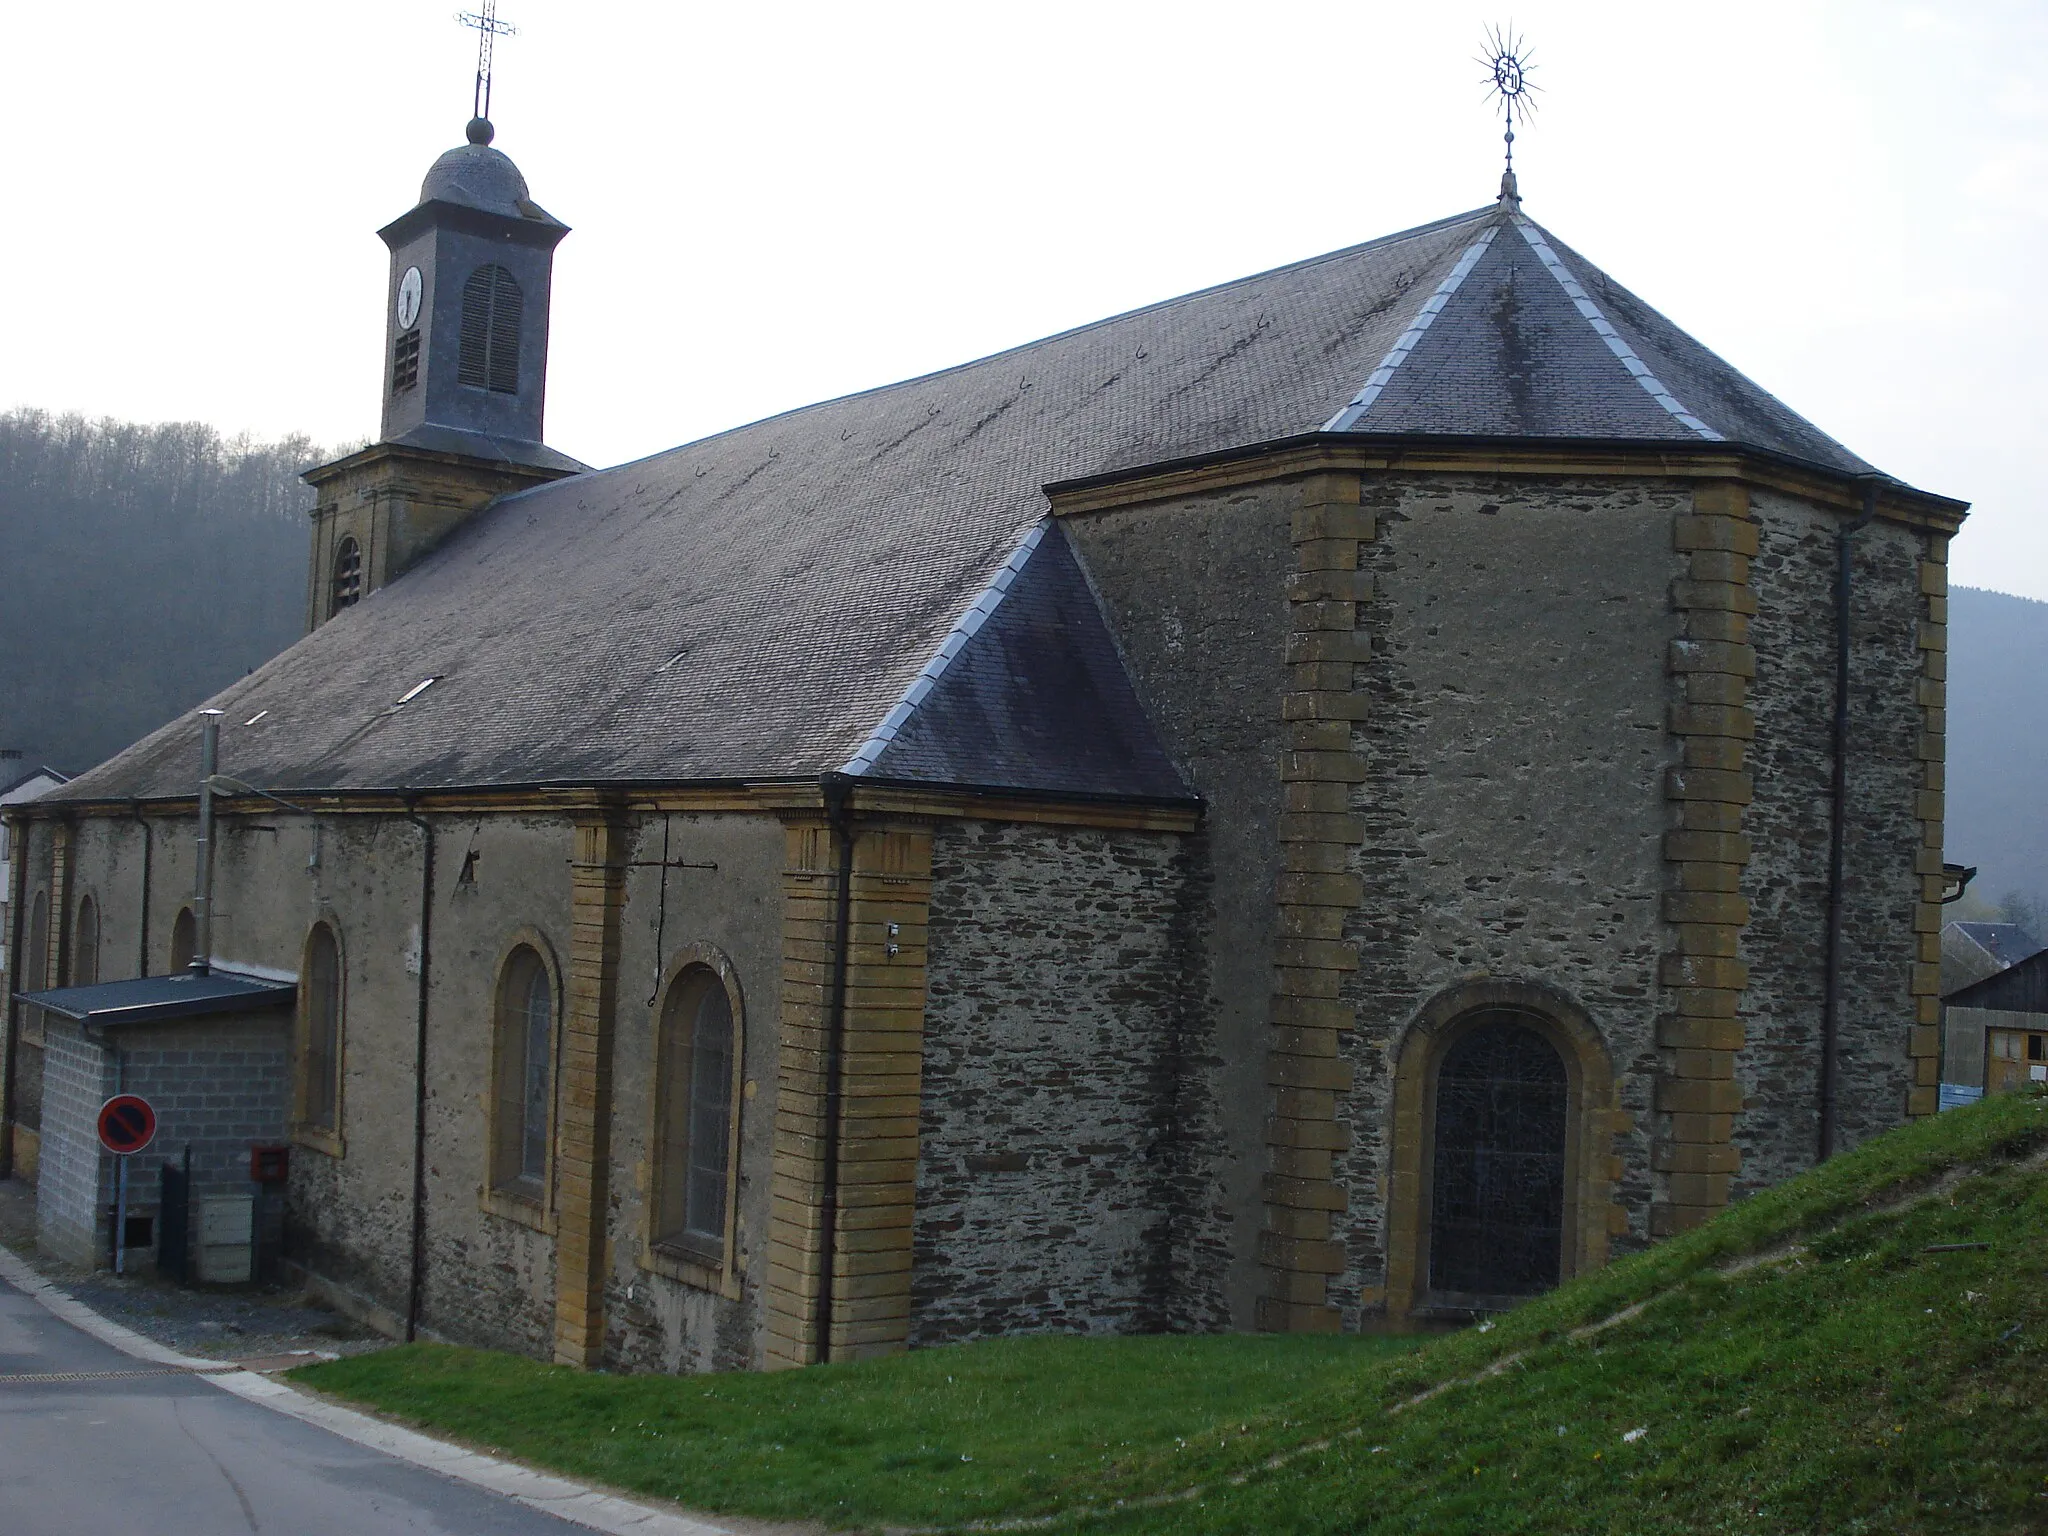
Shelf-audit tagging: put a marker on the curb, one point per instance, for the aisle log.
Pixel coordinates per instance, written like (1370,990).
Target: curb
(574,1502)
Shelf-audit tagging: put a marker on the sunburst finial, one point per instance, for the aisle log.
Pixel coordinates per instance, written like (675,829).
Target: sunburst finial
(1508,61)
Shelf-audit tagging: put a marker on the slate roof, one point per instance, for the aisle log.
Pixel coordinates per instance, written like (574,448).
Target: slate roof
(2021,987)
(153,999)
(1973,951)
(757,604)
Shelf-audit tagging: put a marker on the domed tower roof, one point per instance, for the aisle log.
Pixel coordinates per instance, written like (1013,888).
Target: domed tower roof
(474,175)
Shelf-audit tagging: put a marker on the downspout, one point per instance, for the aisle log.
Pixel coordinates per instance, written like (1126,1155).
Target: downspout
(202,874)
(142,938)
(17,880)
(416,1281)
(838,792)
(1838,815)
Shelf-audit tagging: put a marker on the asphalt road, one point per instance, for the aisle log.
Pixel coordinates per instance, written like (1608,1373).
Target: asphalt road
(172,1455)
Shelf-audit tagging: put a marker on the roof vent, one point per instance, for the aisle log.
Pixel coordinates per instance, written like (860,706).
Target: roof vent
(417,689)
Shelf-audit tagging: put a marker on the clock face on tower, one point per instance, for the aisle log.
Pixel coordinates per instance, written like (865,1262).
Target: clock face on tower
(408,298)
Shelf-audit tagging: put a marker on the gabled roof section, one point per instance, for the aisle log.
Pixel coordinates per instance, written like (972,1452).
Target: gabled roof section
(1026,694)
(2020,988)
(1971,951)
(755,605)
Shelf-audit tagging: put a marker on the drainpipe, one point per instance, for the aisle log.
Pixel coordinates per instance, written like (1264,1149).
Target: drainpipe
(142,939)
(1838,816)
(838,792)
(202,875)
(416,1282)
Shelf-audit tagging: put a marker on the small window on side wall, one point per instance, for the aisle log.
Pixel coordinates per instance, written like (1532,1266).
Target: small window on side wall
(698,1063)
(184,940)
(85,944)
(523,1110)
(318,1086)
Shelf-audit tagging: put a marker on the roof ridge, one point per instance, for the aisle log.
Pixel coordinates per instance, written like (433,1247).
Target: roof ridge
(1604,329)
(1347,419)
(964,629)
(1156,306)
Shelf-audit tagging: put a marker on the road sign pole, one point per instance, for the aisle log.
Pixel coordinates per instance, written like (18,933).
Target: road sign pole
(120,1215)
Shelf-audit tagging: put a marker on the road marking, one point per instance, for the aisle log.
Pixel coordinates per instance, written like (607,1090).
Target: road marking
(39,1378)
(550,1495)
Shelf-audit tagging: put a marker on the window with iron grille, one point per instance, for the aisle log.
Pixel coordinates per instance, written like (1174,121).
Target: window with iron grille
(491,310)
(405,362)
(348,575)
(1497,1207)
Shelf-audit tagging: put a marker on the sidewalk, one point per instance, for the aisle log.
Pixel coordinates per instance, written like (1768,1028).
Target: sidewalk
(261,1328)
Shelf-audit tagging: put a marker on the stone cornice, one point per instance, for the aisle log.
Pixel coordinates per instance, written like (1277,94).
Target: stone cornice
(1317,452)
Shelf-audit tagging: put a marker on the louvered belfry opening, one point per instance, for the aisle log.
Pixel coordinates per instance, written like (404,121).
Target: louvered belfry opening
(492,307)
(405,362)
(1497,1174)
(348,574)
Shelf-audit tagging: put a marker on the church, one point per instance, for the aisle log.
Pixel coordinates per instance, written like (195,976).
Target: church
(1334,802)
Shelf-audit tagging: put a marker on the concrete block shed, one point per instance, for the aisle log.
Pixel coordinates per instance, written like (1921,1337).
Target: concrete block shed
(211,1054)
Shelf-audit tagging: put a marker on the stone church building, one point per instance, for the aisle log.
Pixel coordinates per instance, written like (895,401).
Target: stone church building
(1319,804)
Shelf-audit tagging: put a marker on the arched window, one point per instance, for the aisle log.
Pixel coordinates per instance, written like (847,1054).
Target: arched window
(491,310)
(698,1064)
(523,1116)
(1497,1172)
(347,586)
(319,1065)
(184,940)
(85,944)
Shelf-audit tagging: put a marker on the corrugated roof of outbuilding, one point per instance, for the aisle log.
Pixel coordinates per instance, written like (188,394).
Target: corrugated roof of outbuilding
(754,605)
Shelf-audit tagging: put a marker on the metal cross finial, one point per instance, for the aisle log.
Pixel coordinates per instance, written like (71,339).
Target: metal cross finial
(1508,62)
(489,29)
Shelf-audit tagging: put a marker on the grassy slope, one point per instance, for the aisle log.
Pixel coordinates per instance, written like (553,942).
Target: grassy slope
(1860,1384)
(955,1433)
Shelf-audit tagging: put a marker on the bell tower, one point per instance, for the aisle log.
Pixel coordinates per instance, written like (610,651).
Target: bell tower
(464,379)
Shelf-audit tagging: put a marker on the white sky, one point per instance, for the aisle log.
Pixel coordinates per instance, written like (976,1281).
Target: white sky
(774,204)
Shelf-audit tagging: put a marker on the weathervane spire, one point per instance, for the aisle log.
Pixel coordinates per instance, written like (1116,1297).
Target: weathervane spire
(1508,62)
(488,30)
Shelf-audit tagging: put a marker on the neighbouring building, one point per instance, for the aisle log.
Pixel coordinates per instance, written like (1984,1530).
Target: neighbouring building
(1994,1010)
(1306,806)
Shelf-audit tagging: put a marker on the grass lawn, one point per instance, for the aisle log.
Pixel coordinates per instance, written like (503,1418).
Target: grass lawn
(1856,1381)
(941,1434)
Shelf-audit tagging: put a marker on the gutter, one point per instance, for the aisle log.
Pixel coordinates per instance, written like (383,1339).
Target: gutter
(1838,814)
(416,1279)
(837,789)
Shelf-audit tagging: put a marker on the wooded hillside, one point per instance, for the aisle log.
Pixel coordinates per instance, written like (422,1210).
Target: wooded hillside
(1998,744)
(141,569)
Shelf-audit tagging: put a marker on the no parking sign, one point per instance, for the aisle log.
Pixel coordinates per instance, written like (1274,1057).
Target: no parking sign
(127,1124)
